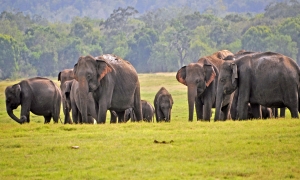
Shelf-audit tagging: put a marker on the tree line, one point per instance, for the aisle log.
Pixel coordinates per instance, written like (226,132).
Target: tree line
(162,40)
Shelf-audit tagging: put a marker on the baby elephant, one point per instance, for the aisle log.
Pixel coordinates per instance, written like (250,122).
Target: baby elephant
(72,101)
(39,95)
(163,103)
(147,111)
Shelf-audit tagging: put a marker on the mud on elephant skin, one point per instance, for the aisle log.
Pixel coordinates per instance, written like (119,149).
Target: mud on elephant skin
(113,82)
(266,75)
(70,90)
(39,95)
(163,103)
(201,80)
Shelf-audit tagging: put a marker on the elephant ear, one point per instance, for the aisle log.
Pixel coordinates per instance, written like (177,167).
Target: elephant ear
(16,90)
(103,68)
(210,73)
(58,78)
(234,72)
(75,71)
(181,75)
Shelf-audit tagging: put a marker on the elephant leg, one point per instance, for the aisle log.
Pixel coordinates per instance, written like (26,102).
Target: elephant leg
(243,111)
(101,114)
(199,108)
(75,114)
(160,115)
(90,119)
(225,112)
(121,118)
(275,112)
(113,117)
(233,108)
(282,112)
(294,111)
(256,111)
(47,119)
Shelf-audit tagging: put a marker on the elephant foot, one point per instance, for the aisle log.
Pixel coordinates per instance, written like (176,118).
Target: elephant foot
(23,119)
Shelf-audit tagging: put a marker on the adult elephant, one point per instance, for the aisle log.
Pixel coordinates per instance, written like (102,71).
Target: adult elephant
(39,95)
(71,93)
(113,82)
(255,111)
(63,76)
(163,103)
(201,80)
(269,79)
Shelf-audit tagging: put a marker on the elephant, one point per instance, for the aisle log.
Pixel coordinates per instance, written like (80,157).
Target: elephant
(113,83)
(265,112)
(39,95)
(218,58)
(254,111)
(163,103)
(201,80)
(71,93)
(147,112)
(263,78)
(63,76)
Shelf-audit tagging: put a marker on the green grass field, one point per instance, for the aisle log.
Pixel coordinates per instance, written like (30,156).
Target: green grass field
(258,149)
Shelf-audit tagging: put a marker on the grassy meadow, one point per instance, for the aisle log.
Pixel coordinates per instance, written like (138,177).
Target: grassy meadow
(257,149)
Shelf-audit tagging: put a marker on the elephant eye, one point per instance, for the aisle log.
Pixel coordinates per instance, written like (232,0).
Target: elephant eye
(222,80)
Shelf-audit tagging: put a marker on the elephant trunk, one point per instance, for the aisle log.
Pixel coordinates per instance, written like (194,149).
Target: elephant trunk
(219,102)
(166,113)
(83,98)
(13,116)
(192,92)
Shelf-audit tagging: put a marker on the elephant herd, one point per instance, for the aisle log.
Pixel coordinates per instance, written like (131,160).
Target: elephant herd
(94,86)
(239,86)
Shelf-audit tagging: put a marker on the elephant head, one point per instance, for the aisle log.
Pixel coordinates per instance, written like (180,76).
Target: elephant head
(13,100)
(65,75)
(227,84)
(166,103)
(197,77)
(88,72)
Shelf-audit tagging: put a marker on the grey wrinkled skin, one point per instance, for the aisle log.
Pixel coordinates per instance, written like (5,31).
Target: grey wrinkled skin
(201,80)
(113,83)
(70,90)
(38,95)
(63,76)
(163,103)
(268,79)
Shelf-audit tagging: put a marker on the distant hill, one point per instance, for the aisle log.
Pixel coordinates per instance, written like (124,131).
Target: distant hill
(65,10)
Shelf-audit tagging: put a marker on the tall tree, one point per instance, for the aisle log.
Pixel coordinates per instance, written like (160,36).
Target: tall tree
(8,56)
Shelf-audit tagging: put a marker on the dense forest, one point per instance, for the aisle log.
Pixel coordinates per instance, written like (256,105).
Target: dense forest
(41,39)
